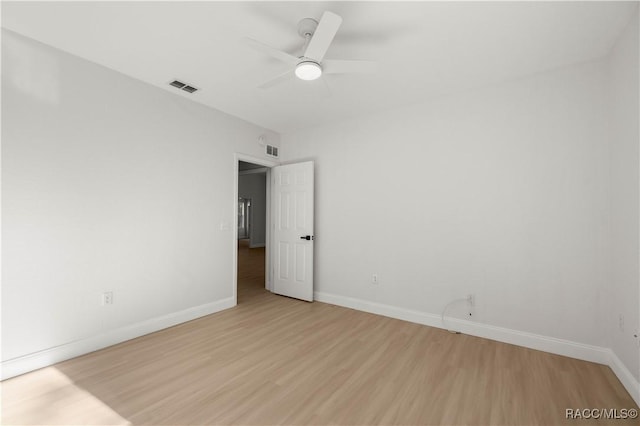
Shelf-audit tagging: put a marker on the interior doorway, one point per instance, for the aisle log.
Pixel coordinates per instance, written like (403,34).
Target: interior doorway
(252,231)
(289,204)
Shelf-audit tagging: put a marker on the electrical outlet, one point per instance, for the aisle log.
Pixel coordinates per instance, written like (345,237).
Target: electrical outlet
(107,298)
(471,299)
(374,279)
(621,323)
(471,305)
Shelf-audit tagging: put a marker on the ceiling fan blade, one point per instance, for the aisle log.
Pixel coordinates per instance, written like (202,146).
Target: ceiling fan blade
(337,66)
(276,80)
(272,51)
(323,36)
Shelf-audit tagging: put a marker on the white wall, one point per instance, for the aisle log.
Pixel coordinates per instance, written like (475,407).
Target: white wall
(501,192)
(623,289)
(518,193)
(108,184)
(254,186)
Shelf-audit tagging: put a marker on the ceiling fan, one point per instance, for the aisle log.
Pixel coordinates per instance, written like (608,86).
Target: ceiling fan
(311,64)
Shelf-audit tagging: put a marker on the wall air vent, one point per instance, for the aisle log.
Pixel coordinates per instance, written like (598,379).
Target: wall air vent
(272,151)
(183,86)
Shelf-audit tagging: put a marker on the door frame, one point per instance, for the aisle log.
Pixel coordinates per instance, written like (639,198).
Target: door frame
(237,157)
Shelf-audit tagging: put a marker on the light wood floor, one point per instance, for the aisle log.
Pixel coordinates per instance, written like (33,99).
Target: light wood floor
(275,360)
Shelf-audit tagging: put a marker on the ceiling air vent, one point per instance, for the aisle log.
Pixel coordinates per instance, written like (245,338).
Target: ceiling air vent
(272,150)
(183,86)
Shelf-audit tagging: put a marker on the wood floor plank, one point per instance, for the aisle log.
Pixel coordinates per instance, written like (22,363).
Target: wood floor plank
(274,360)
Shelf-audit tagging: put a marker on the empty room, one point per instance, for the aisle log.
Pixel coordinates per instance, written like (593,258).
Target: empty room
(320,213)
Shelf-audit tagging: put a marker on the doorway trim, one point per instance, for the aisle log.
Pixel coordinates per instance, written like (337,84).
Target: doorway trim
(237,157)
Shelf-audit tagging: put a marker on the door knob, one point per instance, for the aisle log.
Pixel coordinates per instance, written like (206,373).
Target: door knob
(306,237)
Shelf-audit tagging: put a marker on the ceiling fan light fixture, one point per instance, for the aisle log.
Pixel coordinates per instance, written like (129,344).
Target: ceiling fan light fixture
(308,70)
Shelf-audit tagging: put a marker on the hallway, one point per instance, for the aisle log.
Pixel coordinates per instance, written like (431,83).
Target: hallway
(251,269)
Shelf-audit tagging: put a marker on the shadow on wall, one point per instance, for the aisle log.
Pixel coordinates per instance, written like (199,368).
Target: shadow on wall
(31,70)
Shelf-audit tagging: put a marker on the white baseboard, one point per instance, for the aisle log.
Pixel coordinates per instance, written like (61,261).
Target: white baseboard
(256,245)
(44,358)
(624,375)
(50,356)
(529,340)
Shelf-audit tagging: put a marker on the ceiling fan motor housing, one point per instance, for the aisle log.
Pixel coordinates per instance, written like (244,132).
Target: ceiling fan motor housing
(306,27)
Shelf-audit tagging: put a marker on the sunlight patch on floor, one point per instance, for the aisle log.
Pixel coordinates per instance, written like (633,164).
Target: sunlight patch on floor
(49,397)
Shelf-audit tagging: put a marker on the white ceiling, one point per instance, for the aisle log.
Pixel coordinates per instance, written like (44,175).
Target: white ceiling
(424,49)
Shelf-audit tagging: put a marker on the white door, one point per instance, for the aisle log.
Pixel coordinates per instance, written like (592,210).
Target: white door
(292,187)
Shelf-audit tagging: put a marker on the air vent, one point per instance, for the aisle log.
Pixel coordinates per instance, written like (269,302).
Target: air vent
(183,86)
(272,150)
